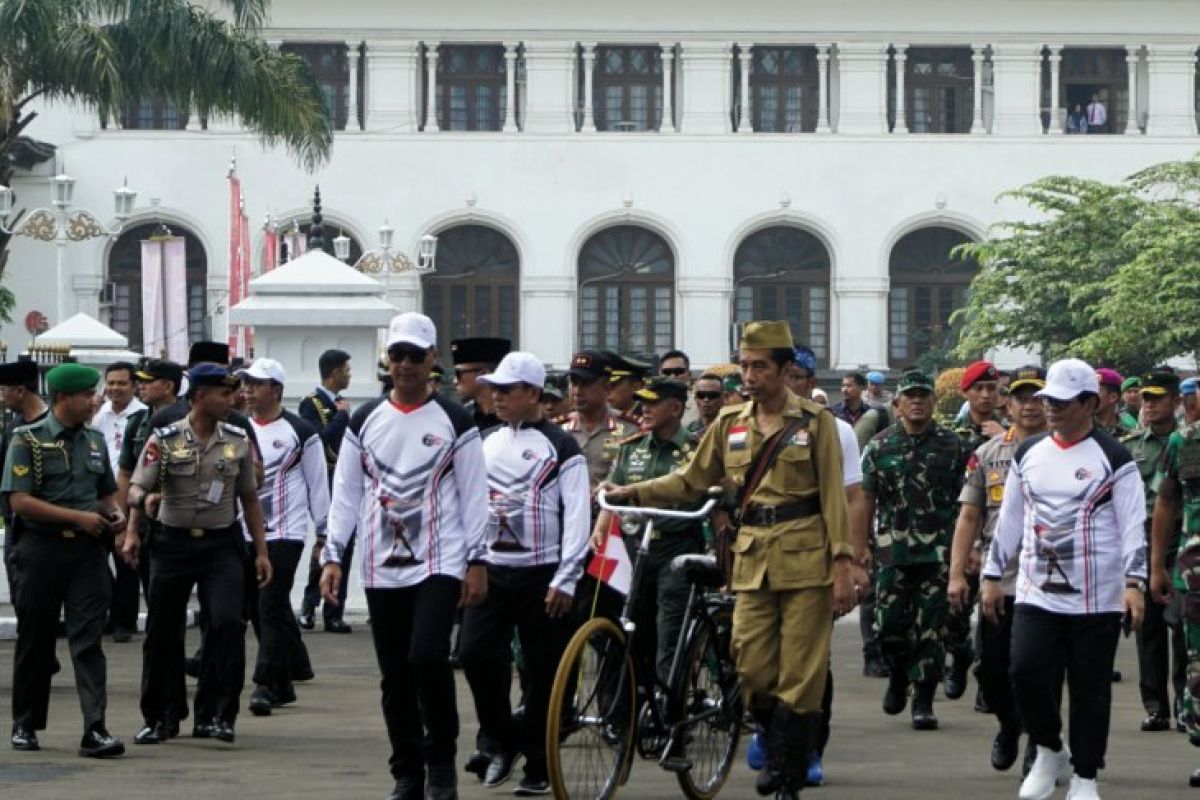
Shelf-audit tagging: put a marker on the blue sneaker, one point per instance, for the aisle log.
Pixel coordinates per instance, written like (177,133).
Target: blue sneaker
(816,772)
(756,753)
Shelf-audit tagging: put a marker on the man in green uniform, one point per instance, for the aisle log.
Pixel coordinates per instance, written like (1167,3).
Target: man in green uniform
(1161,633)
(1178,485)
(59,484)
(1131,398)
(912,474)
(661,448)
(792,547)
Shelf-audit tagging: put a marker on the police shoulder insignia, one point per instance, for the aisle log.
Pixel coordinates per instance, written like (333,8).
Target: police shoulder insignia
(233,430)
(20,470)
(167,432)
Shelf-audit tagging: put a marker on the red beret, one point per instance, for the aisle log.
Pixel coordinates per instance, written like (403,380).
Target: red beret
(979,371)
(1109,377)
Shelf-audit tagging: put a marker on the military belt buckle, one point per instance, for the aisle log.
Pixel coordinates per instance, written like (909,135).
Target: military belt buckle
(196,533)
(767,516)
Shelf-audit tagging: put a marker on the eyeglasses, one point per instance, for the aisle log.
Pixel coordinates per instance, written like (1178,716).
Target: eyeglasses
(674,371)
(400,353)
(708,395)
(460,371)
(1059,405)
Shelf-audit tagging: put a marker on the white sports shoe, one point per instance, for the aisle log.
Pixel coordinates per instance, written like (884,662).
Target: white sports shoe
(1082,789)
(1049,770)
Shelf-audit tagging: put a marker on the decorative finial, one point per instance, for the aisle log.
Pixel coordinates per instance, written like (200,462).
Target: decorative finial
(316,234)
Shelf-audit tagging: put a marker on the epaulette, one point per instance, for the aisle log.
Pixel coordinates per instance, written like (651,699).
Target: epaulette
(233,430)
(167,432)
(561,419)
(634,438)
(729,411)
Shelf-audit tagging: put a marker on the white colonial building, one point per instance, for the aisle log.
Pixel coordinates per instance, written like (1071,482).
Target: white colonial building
(640,175)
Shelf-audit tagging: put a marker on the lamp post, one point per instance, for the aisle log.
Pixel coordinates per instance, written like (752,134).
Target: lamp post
(64,223)
(385,260)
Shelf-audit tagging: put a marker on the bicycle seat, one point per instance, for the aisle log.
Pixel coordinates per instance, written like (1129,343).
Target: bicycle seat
(699,569)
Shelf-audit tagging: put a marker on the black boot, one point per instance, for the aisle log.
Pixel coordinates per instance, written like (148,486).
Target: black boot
(896,696)
(763,711)
(956,676)
(792,739)
(922,706)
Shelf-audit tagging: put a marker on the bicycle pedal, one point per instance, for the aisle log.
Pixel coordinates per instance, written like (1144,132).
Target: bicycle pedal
(675,764)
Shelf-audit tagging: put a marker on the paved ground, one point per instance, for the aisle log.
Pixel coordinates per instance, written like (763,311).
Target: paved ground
(332,743)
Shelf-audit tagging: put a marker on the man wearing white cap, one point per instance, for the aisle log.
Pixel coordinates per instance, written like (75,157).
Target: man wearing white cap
(411,479)
(1074,506)
(539,516)
(294,495)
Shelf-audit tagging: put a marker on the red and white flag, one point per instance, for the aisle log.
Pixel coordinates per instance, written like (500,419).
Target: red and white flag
(237,268)
(611,563)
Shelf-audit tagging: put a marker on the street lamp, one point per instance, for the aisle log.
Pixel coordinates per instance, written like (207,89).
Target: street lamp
(60,225)
(388,262)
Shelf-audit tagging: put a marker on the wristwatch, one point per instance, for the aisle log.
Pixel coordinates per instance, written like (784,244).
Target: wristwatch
(1135,583)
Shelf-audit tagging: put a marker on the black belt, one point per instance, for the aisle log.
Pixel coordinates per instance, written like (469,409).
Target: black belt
(197,533)
(766,516)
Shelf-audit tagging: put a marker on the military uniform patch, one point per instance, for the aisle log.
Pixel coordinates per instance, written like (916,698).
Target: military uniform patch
(20,470)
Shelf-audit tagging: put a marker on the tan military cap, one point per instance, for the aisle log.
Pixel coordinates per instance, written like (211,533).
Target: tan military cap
(766,335)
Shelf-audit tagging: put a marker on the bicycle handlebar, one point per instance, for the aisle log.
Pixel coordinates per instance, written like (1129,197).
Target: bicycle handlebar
(655,513)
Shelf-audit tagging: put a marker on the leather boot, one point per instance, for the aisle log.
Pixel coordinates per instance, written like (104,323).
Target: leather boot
(922,706)
(896,696)
(763,711)
(792,738)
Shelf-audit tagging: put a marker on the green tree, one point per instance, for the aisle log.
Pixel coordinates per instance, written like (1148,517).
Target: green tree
(110,53)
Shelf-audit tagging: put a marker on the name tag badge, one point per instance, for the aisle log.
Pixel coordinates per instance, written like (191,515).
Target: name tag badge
(215,490)
(800,438)
(738,437)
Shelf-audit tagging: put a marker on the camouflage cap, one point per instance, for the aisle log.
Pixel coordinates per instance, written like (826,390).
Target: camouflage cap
(767,335)
(914,380)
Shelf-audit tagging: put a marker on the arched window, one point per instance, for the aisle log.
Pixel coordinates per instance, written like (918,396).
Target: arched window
(927,286)
(125,275)
(783,273)
(474,290)
(626,291)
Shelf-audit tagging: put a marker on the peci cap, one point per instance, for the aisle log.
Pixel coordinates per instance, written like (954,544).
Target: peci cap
(914,380)
(21,372)
(208,353)
(1069,378)
(875,377)
(479,349)
(767,335)
(976,372)
(203,375)
(71,378)
(1159,384)
(266,369)
(517,367)
(1109,377)
(160,369)
(589,365)
(1031,375)
(412,328)
(806,359)
(663,389)
(1132,382)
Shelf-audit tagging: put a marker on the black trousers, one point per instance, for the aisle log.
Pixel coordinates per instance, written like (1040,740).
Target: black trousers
(411,630)
(312,589)
(516,599)
(281,650)
(995,657)
(214,564)
(1162,658)
(69,575)
(1084,645)
(128,583)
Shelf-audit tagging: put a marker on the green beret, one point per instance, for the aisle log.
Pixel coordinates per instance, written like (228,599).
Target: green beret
(1132,382)
(914,379)
(767,335)
(71,378)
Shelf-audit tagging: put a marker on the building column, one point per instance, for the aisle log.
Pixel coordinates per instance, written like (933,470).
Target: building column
(1172,90)
(704,93)
(977,58)
(510,70)
(823,89)
(590,53)
(431,94)
(550,81)
(352,123)
(1132,55)
(392,93)
(703,317)
(859,314)
(1018,73)
(862,82)
(1057,119)
(901,62)
(667,125)
(745,120)
(549,305)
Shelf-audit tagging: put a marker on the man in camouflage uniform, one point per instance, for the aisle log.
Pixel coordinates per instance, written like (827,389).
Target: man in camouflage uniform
(912,473)
(1177,482)
(1161,632)
(1107,418)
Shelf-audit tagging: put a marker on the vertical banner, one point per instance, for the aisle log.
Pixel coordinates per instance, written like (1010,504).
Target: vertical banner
(270,250)
(174,270)
(153,304)
(235,256)
(244,239)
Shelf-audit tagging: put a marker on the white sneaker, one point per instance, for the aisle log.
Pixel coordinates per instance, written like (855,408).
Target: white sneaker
(1049,770)
(1082,789)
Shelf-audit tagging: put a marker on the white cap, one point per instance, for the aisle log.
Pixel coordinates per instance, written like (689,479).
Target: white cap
(1069,378)
(412,328)
(266,369)
(517,367)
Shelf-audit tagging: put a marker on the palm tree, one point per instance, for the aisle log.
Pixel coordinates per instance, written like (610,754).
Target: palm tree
(110,53)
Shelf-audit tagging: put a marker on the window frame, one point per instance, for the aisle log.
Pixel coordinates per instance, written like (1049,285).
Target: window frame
(617,328)
(471,81)
(807,80)
(625,82)
(336,77)
(910,273)
(960,85)
(438,288)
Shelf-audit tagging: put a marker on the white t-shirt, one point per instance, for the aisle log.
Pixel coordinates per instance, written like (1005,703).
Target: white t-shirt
(851,463)
(112,424)
(295,488)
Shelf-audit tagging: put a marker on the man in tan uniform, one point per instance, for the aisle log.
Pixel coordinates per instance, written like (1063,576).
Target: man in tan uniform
(792,547)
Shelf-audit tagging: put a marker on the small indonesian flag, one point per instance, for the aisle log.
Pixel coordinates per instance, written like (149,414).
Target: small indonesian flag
(738,436)
(611,564)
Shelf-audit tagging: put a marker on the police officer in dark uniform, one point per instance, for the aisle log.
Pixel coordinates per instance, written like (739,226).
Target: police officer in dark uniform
(59,484)
(472,358)
(199,469)
(23,406)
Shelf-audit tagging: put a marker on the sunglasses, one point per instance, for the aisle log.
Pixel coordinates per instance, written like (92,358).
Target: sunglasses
(675,371)
(460,371)
(708,395)
(1059,405)
(407,352)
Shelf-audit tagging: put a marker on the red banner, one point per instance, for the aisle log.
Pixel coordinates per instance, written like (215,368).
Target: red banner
(244,237)
(236,266)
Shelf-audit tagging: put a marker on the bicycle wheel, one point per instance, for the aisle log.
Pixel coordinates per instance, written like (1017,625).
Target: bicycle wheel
(590,721)
(709,697)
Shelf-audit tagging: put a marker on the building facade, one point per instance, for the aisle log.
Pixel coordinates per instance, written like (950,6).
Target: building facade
(638,176)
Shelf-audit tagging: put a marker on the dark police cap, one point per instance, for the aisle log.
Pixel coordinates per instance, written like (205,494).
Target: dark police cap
(626,366)
(480,349)
(18,373)
(160,369)
(663,390)
(1031,375)
(1160,383)
(588,365)
(210,375)
(208,353)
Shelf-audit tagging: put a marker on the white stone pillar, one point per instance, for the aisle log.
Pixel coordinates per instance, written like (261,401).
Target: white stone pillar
(352,123)
(1057,118)
(745,119)
(668,106)
(860,314)
(862,96)
(392,92)
(548,315)
(431,86)
(590,54)
(702,319)
(977,58)
(901,62)
(550,80)
(1017,68)
(1171,93)
(1132,55)
(510,71)
(705,84)
(823,88)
